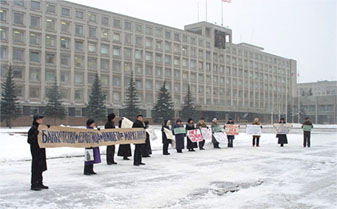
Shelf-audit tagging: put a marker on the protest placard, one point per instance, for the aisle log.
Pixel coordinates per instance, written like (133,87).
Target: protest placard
(179,130)
(219,136)
(307,128)
(206,133)
(168,134)
(194,135)
(254,130)
(232,129)
(57,136)
(126,123)
(282,128)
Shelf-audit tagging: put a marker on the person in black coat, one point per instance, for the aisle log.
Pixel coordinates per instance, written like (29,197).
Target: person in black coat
(282,138)
(137,158)
(110,150)
(230,138)
(124,150)
(165,140)
(147,151)
(39,164)
(180,145)
(190,145)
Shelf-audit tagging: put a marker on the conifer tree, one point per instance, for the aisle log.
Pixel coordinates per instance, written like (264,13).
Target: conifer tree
(188,110)
(164,107)
(96,106)
(132,101)
(55,109)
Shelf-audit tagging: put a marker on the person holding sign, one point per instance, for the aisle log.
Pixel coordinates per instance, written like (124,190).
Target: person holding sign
(137,158)
(282,138)
(39,164)
(124,150)
(201,124)
(166,141)
(89,163)
(179,132)
(110,150)
(215,129)
(256,138)
(230,138)
(147,151)
(306,126)
(190,145)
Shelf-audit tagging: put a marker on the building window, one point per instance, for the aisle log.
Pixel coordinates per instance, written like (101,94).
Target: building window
(159,32)
(65,26)
(127,53)
(148,42)
(18,72)
(50,76)
(116,66)
(19,3)
(167,34)
(177,37)
(92,17)
(18,54)
(50,58)
(18,36)
(51,8)
(116,51)
(65,59)
(105,33)
(105,20)
(34,92)
(35,21)
(116,96)
(139,28)
(78,45)
(148,30)
(127,25)
(139,41)
(117,37)
(92,32)
(18,18)
(3,34)
(79,14)
(78,78)
(105,64)
(50,41)
(50,24)
(35,5)
(117,23)
(34,56)
(79,60)
(34,74)
(3,52)
(79,97)
(79,29)
(128,38)
(35,38)
(3,15)
(65,12)
(148,56)
(65,43)
(92,63)
(138,54)
(92,47)
(104,49)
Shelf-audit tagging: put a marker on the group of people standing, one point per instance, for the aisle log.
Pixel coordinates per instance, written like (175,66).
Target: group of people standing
(39,164)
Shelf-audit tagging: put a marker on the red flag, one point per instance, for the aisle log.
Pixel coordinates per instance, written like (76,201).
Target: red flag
(227,1)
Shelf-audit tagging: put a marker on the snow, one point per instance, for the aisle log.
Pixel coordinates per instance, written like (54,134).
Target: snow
(243,177)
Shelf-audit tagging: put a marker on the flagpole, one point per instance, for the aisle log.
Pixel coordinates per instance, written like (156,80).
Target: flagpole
(221,13)
(206,9)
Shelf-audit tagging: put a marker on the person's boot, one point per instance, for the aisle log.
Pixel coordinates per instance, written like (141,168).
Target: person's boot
(126,158)
(35,188)
(92,170)
(42,186)
(166,153)
(192,150)
(86,170)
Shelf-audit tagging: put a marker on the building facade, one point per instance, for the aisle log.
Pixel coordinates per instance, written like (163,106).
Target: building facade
(67,42)
(317,101)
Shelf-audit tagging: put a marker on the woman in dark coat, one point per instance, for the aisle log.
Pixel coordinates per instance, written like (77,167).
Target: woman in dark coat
(146,152)
(230,138)
(190,145)
(39,164)
(180,145)
(124,150)
(137,155)
(89,165)
(282,138)
(165,140)
(110,150)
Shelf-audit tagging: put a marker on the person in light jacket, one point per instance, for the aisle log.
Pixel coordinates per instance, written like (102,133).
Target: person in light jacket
(230,138)
(215,128)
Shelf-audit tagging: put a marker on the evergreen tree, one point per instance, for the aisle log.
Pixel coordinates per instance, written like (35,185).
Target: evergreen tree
(55,108)
(96,107)
(9,102)
(132,101)
(188,110)
(164,108)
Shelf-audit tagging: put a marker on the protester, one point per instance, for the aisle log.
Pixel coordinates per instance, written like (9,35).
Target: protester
(230,138)
(190,145)
(124,150)
(165,140)
(282,138)
(215,129)
(110,150)
(180,145)
(89,165)
(256,138)
(39,164)
(201,124)
(137,160)
(307,133)
(147,151)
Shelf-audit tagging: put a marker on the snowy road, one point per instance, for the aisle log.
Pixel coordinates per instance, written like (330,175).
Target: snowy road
(243,177)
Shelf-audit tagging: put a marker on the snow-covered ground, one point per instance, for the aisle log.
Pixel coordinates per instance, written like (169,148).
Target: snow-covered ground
(242,177)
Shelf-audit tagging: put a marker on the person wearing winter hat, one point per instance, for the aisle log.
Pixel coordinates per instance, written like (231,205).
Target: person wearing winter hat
(39,163)
(110,150)
(190,145)
(89,165)
(179,135)
(215,128)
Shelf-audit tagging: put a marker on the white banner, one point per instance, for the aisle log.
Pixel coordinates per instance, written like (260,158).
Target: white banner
(126,123)
(169,134)
(206,133)
(282,128)
(254,130)
(220,137)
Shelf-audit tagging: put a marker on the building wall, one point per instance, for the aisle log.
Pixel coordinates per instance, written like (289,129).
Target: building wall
(71,43)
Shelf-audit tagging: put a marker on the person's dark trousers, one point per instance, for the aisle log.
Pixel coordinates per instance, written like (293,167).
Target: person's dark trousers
(88,169)
(165,148)
(257,138)
(110,153)
(216,145)
(201,144)
(230,143)
(306,139)
(137,158)
(179,150)
(281,145)
(36,178)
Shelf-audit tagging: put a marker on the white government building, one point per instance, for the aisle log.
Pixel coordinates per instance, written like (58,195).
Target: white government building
(48,40)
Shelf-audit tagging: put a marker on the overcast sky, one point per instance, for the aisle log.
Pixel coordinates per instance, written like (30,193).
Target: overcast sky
(304,30)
